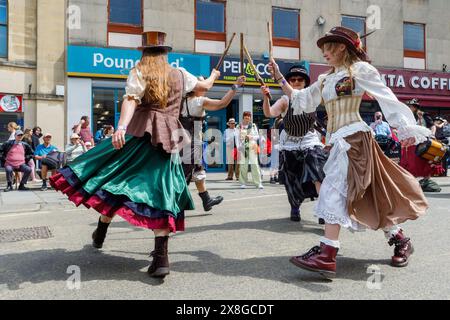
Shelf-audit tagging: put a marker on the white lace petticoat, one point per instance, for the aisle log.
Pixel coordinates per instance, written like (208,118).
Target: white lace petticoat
(332,202)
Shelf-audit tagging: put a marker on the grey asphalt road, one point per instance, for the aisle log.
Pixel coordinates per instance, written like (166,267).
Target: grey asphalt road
(239,251)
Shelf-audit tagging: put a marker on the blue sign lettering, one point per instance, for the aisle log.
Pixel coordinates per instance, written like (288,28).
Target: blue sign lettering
(117,63)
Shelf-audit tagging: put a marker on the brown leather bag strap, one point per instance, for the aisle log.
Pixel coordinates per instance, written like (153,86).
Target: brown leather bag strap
(183,98)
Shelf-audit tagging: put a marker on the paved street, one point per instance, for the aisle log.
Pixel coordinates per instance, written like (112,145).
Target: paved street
(240,251)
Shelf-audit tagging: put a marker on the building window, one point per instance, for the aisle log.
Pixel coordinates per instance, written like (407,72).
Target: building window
(286,33)
(125,23)
(286,27)
(210,20)
(3,28)
(414,40)
(414,45)
(357,24)
(210,26)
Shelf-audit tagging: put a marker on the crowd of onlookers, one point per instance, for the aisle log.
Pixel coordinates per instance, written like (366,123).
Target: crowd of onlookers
(29,156)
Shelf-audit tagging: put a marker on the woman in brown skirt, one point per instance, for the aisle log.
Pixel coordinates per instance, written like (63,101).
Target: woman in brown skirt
(362,187)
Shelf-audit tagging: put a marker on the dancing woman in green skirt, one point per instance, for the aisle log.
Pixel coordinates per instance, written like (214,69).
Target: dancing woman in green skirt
(134,174)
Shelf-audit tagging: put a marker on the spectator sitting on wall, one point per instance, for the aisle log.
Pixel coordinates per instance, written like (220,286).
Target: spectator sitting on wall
(15,156)
(99,135)
(28,138)
(12,127)
(41,154)
(84,131)
(75,148)
(35,137)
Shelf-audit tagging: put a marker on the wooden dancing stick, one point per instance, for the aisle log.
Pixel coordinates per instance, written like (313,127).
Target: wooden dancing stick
(257,75)
(269,30)
(219,64)
(242,55)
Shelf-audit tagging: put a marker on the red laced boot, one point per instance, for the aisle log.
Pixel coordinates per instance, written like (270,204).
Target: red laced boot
(319,259)
(402,251)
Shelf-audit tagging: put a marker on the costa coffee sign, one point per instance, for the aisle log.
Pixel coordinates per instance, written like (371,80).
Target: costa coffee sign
(413,81)
(11,103)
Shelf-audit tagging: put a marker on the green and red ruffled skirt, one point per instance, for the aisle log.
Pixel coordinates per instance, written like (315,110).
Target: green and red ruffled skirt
(141,183)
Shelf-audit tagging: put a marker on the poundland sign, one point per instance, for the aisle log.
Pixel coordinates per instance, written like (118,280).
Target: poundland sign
(117,63)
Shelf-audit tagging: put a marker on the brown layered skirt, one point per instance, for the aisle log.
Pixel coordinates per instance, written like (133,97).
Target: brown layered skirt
(380,192)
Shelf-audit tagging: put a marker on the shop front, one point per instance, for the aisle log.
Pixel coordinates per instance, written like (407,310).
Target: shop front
(97,79)
(11,110)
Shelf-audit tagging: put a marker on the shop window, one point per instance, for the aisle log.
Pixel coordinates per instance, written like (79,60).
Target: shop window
(414,45)
(286,33)
(104,108)
(125,23)
(5,118)
(210,26)
(3,28)
(357,24)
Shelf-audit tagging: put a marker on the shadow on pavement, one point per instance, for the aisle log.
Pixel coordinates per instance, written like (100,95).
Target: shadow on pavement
(52,265)
(275,269)
(283,225)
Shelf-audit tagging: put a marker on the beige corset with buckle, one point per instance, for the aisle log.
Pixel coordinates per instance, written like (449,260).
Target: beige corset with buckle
(342,112)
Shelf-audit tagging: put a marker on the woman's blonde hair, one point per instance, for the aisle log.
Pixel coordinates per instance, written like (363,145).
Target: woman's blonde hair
(348,58)
(14,126)
(155,71)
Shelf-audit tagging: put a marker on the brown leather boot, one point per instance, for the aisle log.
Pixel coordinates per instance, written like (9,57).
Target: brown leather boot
(403,249)
(319,259)
(160,264)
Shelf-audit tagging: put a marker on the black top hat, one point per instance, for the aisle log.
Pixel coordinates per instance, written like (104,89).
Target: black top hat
(348,37)
(154,41)
(298,70)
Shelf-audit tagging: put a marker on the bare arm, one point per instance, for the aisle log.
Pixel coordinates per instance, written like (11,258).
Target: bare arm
(278,107)
(214,104)
(77,129)
(128,109)
(208,83)
(276,74)
(433,130)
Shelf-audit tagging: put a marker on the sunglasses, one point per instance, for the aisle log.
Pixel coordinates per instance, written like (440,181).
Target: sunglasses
(296,80)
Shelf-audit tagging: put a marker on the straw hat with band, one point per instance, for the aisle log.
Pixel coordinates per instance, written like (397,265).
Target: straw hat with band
(154,41)
(298,70)
(348,37)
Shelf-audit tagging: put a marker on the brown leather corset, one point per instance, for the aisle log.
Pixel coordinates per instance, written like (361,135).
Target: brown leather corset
(342,112)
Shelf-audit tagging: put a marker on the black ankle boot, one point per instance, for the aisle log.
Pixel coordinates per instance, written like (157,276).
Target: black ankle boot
(99,234)
(295,215)
(160,264)
(9,187)
(209,202)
